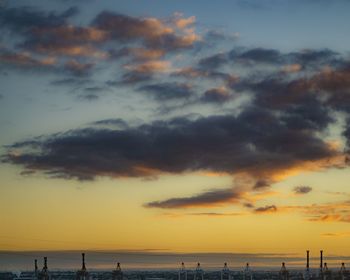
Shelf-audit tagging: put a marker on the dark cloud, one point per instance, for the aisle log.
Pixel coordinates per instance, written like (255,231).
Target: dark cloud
(88,97)
(132,77)
(314,57)
(213,62)
(168,91)
(255,142)
(200,200)
(213,36)
(261,184)
(190,73)
(216,95)
(77,68)
(76,81)
(294,61)
(24,19)
(248,205)
(302,189)
(257,55)
(266,209)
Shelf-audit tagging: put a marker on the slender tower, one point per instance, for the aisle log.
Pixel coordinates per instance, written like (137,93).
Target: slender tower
(82,274)
(307,274)
(36,268)
(225,273)
(182,272)
(321,265)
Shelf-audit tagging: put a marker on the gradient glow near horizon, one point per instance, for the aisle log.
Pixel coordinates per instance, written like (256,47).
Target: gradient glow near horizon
(137,125)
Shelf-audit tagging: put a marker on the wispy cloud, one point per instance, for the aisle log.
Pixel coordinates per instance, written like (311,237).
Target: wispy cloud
(266,209)
(209,198)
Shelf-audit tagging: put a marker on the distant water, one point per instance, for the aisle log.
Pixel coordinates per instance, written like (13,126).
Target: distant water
(131,260)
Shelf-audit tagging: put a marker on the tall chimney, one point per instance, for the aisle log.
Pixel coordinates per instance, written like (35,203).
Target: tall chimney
(83,261)
(45,262)
(307,259)
(321,259)
(36,265)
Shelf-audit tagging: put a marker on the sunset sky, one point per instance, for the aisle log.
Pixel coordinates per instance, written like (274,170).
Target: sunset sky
(177,126)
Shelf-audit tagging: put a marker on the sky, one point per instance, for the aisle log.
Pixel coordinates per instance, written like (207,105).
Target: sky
(185,127)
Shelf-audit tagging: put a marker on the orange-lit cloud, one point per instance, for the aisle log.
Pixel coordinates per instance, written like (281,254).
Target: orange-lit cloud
(152,66)
(291,68)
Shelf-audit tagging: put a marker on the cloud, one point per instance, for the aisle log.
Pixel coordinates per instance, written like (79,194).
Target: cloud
(112,122)
(24,19)
(209,198)
(25,61)
(212,36)
(140,53)
(266,209)
(168,91)
(338,211)
(132,77)
(183,23)
(77,68)
(88,97)
(190,73)
(289,62)
(316,58)
(143,72)
(257,55)
(213,62)
(252,143)
(335,234)
(74,81)
(215,214)
(152,66)
(302,189)
(155,33)
(216,95)
(292,68)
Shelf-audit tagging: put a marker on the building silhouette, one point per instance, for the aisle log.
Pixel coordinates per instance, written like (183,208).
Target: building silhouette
(82,274)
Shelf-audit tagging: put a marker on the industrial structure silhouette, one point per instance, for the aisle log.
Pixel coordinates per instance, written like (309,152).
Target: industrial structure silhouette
(323,273)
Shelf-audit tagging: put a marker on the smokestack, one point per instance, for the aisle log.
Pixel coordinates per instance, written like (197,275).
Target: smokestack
(83,262)
(307,259)
(36,265)
(45,262)
(321,259)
